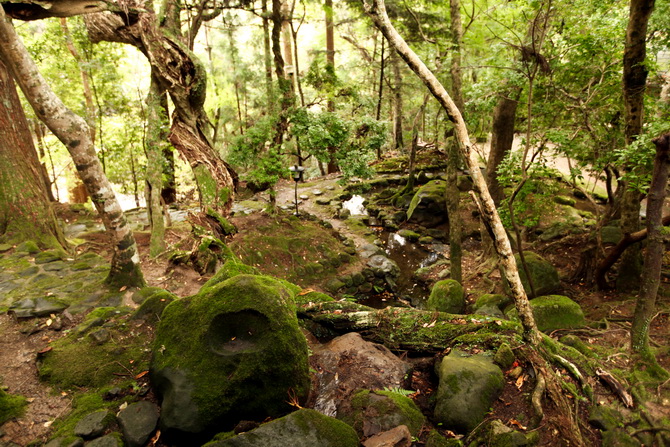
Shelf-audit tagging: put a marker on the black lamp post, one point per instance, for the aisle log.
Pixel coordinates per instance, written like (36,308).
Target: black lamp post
(297,173)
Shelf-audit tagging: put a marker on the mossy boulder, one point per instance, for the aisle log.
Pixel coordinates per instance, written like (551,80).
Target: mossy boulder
(468,386)
(303,428)
(428,206)
(543,275)
(373,412)
(234,351)
(492,300)
(554,312)
(446,296)
(229,269)
(152,308)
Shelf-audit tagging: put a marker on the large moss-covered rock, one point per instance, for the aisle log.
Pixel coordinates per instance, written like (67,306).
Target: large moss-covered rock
(468,387)
(542,273)
(554,312)
(230,268)
(233,351)
(373,412)
(304,428)
(429,206)
(447,296)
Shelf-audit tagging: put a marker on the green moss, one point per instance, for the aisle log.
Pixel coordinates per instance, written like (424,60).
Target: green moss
(152,308)
(446,296)
(28,247)
(228,228)
(497,300)
(82,405)
(11,406)
(229,269)
(553,312)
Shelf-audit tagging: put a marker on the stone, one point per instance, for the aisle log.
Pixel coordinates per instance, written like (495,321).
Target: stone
(604,417)
(231,352)
(230,268)
(382,266)
(499,435)
(334,285)
(564,200)
(344,213)
(435,439)
(48,256)
(93,424)
(492,300)
(428,206)
(619,438)
(374,412)
(554,312)
(410,235)
(303,428)
(504,356)
(138,421)
(468,386)
(303,196)
(111,440)
(397,437)
(317,192)
(27,247)
(63,442)
(40,307)
(543,274)
(348,363)
(611,235)
(370,250)
(446,296)
(322,201)
(100,336)
(5,247)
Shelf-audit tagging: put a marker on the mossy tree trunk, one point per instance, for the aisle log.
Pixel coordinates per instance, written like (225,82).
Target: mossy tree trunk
(634,83)
(156,117)
(653,259)
(25,211)
(74,133)
(184,78)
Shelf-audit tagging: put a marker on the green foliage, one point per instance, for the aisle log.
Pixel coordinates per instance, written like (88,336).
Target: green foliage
(534,199)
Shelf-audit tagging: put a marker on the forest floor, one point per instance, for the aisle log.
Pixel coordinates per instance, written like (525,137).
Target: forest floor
(22,341)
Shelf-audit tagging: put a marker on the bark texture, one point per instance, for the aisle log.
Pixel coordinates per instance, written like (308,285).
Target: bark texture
(653,259)
(502,137)
(25,211)
(155,143)
(74,133)
(377,13)
(634,82)
(183,77)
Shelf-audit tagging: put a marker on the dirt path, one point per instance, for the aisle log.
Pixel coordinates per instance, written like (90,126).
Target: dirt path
(18,352)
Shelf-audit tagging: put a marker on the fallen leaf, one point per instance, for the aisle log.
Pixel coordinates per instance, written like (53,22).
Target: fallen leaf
(517,424)
(47,349)
(520,381)
(49,322)
(142,374)
(429,324)
(305,292)
(123,288)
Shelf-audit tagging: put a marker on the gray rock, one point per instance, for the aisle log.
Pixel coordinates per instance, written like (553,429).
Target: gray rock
(317,192)
(468,387)
(303,428)
(61,442)
(93,424)
(322,201)
(370,250)
(40,307)
(100,336)
(382,266)
(138,421)
(428,207)
(543,274)
(106,441)
(374,412)
(344,213)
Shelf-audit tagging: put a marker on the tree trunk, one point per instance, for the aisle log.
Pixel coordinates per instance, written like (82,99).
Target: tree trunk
(184,78)
(396,86)
(74,133)
(25,211)
(453,195)
(285,85)
(502,138)
(155,149)
(267,56)
(377,13)
(330,62)
(653,259)
(634,82)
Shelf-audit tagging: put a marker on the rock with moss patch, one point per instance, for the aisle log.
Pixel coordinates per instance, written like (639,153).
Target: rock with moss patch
(94,424)
(619,438)
(428,206)
(611,234)
(467,388)
(495,300)
(435,439)
(410,235)
(233,351)
(446,296)
(29,247)
(152,308)
(543,275)
(504,356)
(138,421)
(39,307)
(500,435)
(303,428)
(553,312)
(605,418)
(111,440)
(49,256)
(373,412)
(564,200)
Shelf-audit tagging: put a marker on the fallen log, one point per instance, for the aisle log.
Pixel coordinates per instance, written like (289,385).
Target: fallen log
(407,329)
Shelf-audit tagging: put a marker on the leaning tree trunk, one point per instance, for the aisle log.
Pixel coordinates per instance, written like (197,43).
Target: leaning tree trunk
(184,78)
(377,13)
(25,211)
(653,259)
(74,133)
(634,83)
(155,150)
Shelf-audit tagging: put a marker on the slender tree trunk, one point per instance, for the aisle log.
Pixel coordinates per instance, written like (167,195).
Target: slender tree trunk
(184,78)
(397,101)
(155,149)
(38,129)
(74,133)
(653,259)
(453,196)
(267,56)
(285,85)
(330,62)
(634,83)
(25,211)
(377,13)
